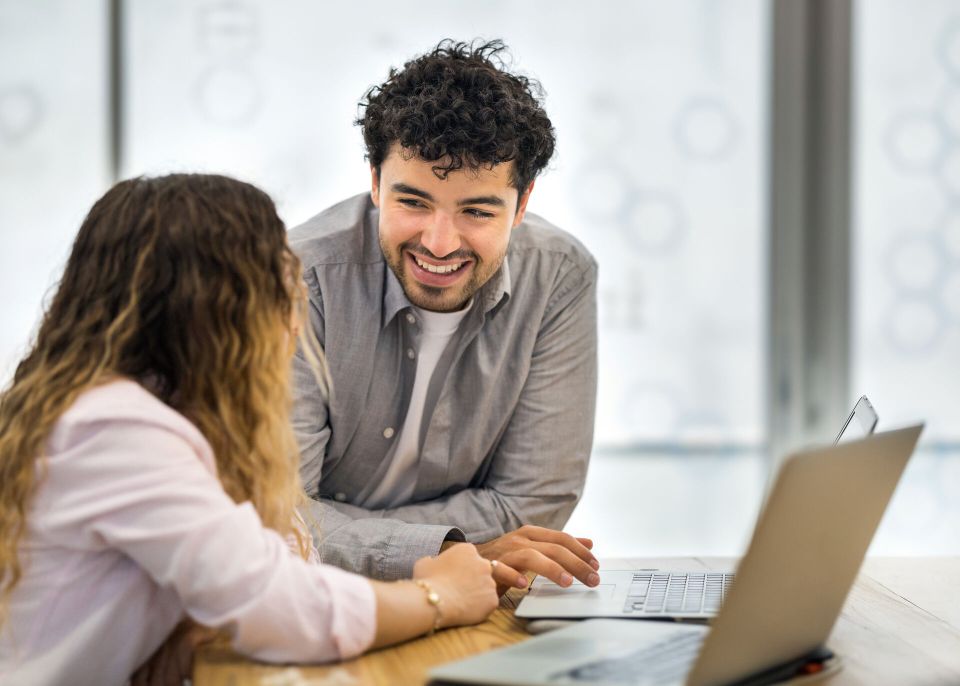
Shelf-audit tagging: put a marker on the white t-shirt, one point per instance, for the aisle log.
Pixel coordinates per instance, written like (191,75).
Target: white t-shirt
(396,486)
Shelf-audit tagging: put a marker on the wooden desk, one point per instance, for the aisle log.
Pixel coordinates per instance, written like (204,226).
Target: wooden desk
(901,625)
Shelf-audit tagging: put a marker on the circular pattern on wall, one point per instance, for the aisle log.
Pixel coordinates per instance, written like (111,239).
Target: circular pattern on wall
(229,29)
(950,295)
(705,129)
(950,227)
(948,112)
(21,111)
(606,123)
(602,190)
(948,172)
(654,222)
(916,263)
(915,141)
(914,326)
(948,50)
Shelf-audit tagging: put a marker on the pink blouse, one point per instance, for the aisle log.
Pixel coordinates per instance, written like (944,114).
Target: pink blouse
(130,530)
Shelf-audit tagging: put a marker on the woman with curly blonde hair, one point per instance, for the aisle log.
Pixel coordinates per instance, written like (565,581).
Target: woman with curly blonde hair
(148,470)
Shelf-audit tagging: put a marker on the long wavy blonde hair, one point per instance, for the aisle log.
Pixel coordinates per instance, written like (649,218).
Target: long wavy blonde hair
(186,284)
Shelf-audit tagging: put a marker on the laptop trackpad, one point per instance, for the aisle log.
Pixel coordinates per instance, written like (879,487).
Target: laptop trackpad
(575,592)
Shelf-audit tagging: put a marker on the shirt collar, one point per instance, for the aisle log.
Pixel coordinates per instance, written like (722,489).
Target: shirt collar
(497,288)
(394,299)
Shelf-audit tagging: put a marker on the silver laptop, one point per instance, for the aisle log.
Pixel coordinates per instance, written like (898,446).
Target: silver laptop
(806,550)
(653,593)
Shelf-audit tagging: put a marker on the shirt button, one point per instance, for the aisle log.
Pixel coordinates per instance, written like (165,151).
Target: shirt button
(388,432)
(410,353)
(340,497)
(411,319)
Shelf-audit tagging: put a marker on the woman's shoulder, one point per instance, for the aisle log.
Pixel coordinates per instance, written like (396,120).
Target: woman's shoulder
(122,398)
(123,402)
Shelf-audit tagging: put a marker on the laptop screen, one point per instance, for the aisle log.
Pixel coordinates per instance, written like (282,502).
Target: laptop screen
(861,422)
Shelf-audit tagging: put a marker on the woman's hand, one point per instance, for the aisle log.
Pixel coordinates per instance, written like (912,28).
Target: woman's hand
(459,576)
(463,580)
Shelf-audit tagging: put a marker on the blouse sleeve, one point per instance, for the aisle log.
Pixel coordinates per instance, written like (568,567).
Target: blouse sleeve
(144,489)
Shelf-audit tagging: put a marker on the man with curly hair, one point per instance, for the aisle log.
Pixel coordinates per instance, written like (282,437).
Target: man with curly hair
(460,333)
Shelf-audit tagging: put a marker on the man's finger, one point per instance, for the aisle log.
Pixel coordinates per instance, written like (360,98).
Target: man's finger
(576,566)
(574,545)
(588,544)
(534,561)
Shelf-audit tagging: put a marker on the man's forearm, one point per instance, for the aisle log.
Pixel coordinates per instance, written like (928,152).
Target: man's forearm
(484,513)
(366,542)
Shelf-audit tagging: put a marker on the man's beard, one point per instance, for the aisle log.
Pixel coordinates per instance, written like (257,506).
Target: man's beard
(439,298)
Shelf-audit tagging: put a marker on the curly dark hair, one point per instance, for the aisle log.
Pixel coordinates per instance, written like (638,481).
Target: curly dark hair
(458,106)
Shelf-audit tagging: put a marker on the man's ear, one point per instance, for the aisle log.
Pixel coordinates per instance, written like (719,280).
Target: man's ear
(375,186)
(522,205)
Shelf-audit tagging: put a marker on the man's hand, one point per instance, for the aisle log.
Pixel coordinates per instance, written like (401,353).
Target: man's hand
(558,556)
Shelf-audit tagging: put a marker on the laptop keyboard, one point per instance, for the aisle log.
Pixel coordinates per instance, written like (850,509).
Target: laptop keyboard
(653,593)
(664,661)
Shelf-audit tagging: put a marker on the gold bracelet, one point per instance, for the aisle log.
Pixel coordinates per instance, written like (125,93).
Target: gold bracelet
(433,599)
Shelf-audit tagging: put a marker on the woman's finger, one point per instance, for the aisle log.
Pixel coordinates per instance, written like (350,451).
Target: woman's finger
(505,575)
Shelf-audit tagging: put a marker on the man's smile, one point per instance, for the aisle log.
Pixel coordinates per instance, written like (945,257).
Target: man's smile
(436,273)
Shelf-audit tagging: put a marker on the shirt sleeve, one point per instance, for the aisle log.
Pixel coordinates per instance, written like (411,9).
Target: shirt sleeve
(143,489)
(352,538)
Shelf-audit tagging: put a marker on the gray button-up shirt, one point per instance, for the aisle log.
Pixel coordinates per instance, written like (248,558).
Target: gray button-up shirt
(510,407)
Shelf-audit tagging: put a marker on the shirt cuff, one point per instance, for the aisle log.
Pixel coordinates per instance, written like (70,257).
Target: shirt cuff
(354,624)
(412,542)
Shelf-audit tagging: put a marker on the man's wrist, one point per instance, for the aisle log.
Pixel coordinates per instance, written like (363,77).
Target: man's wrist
(453,537)
(482,549)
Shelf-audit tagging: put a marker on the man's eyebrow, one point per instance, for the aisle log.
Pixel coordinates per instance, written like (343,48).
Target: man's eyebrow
(482,200)
(410,190)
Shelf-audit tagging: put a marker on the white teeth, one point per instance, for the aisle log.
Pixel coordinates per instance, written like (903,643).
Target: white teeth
(438,269)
